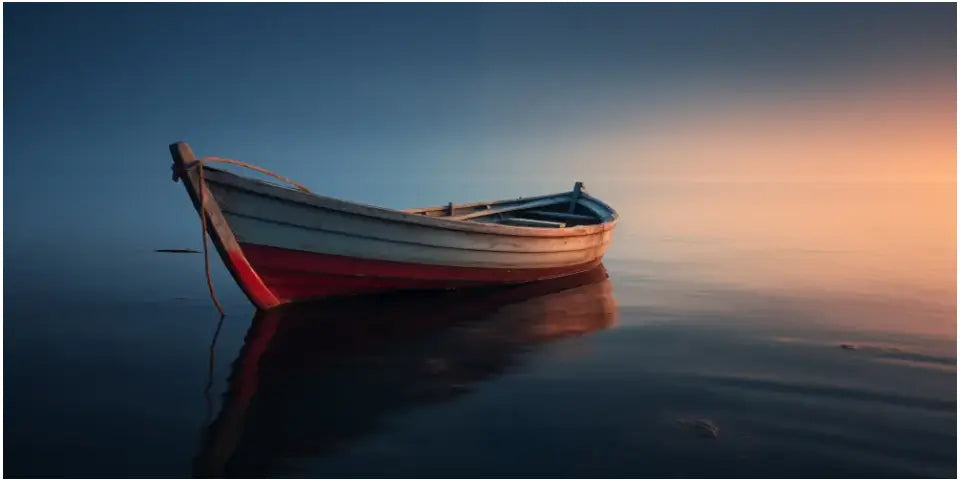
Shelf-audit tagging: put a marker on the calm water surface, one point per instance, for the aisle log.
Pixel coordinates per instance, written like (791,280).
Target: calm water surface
(813,324)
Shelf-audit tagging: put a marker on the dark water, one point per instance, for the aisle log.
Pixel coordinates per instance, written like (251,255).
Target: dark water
(813,325)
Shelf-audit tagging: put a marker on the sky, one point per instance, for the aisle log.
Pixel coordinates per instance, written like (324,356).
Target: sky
(408,105)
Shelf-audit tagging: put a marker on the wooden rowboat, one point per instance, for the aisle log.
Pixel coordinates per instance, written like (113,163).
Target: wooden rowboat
(283,245)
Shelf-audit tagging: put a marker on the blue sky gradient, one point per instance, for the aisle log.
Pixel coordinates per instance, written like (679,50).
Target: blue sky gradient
(397,104)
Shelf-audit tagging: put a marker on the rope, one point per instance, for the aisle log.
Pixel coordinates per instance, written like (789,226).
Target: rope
(210,369)
(198,164)
(251,167)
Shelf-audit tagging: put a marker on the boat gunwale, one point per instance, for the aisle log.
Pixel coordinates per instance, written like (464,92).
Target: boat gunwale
(266,189)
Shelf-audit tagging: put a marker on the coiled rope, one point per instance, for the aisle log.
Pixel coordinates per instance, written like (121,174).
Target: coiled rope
(198,164)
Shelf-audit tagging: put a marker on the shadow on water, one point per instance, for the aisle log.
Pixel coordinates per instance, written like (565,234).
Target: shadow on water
(310,380)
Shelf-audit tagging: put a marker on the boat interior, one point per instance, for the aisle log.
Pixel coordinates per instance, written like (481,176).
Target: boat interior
(549,211)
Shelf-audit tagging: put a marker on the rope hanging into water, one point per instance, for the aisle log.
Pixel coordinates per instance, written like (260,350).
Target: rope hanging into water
(198,164)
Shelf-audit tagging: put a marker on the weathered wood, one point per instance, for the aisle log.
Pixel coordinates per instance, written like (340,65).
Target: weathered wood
(575,196)
(568,216)
(529,222)
(523,206)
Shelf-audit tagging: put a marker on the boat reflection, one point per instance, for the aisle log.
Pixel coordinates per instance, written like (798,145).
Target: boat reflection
(310,379)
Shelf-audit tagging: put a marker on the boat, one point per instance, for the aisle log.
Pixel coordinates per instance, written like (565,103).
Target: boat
(285,245)
(311,380)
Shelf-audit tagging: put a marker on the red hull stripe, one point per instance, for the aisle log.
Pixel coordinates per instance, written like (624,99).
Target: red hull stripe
(298,275)
(292,278)
(250,282)
(295,284)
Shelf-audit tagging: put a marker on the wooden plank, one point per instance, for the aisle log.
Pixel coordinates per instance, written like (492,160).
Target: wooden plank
(529,222)
(264,232)
(523,206)
(569,216)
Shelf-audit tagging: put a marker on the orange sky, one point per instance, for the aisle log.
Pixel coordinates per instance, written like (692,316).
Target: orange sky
(901,128)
